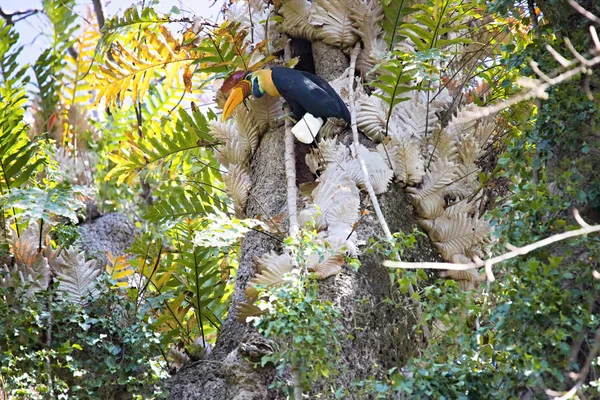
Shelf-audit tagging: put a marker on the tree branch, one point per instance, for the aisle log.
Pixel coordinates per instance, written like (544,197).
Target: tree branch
(10,17)
(537,87)
(515,251)
(99,10)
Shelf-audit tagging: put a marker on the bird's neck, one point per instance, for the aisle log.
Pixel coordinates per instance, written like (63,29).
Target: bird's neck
(266,82)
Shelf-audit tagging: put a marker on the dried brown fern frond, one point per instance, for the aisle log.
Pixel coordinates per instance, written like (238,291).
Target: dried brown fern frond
(371,117)
(296,15)
(329,266)
(266,112)
(457,235)
(405,158)
(238,184)
(366,17)
(334,22)
(416,117)
(273,270)
(335,188)
(441,174)
(380,174)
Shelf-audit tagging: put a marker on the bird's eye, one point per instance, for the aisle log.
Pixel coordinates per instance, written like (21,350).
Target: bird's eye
(248,76)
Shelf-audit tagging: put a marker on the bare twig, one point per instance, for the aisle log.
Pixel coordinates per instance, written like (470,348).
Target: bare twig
(584,12)
(290,175)
(537,87)
(361,162)
(516,251)
(17,16)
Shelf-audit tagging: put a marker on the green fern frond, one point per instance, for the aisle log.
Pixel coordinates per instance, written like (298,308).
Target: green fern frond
(132,17)
(432,24)
(37,204)
(395,12)
(19,157)
(76,85)
(179,204)
(48,68)
(189,132)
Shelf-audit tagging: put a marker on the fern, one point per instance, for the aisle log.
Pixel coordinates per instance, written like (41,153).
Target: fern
(395,11)
(37,204)
(76,276)
(180,204)
(190,132)
(156,56)
(19,157)
(132,17)
(48,68)
(432,23)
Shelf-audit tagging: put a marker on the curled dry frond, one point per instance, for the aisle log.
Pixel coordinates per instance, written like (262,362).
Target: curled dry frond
(238,184)
(416,117)
(380,174)
(221,131)
(441,145)
(371,117)
(266,112)
(405,158)
(431,207)
(333,19)
(457,128)
(296,14)
(247,127)
(333,152)
(457,235)
(441,174)
(460,207)
(336,192)
(272,273)
(366,17)
(329,266)
(178,357)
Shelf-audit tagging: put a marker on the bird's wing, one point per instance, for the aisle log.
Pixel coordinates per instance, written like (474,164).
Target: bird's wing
(341,108)
(309,91)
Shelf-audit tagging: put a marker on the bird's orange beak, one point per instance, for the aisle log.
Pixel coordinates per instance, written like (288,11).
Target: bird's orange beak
(238,94)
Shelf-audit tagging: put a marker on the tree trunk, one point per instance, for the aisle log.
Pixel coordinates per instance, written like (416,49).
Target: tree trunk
(376,334)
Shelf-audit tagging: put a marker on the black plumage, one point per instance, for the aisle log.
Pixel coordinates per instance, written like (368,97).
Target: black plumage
(306,92)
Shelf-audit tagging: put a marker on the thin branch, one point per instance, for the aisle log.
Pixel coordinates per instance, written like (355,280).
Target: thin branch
(290,176)
(584,12)
(361,162)
(515,251)
(99,10)
(537,88)
(10,17)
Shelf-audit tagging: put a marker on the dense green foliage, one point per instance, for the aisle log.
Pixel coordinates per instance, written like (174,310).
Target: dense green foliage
(52,348)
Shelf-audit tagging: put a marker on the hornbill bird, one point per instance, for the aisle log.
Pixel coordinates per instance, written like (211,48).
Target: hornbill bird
(310,96)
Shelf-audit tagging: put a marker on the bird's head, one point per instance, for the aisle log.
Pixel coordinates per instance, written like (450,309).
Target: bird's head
(242,84)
